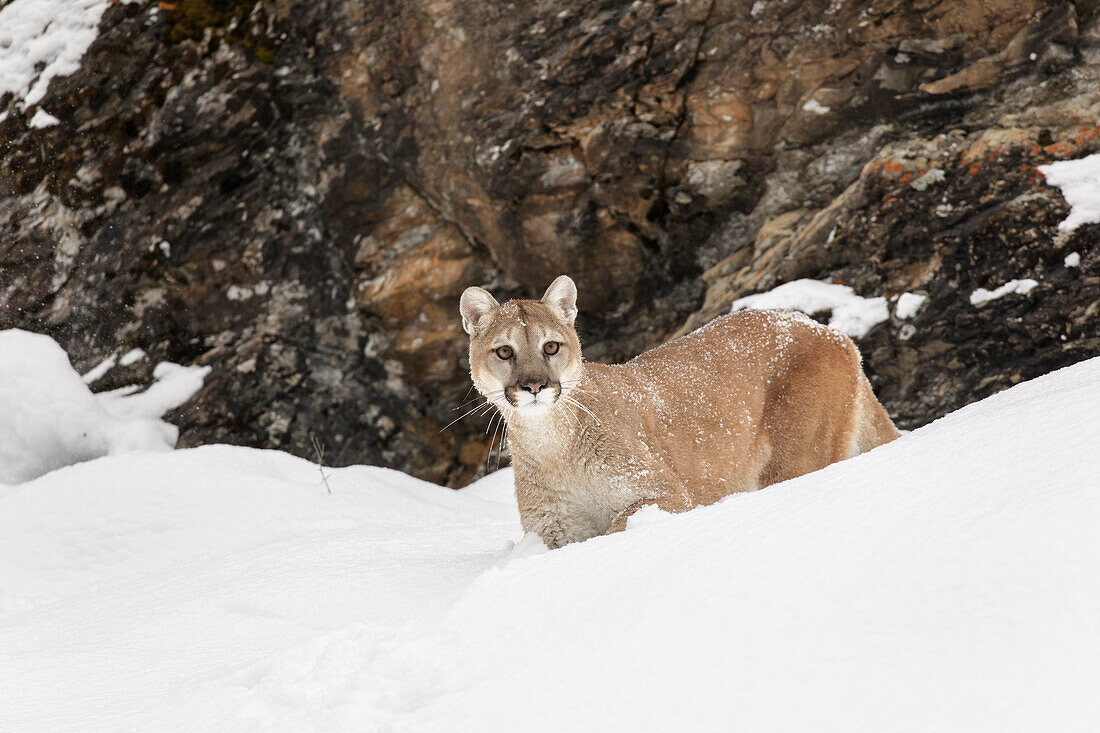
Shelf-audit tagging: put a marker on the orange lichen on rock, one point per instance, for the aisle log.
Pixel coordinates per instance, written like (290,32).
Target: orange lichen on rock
(1060,148)
(1086,134)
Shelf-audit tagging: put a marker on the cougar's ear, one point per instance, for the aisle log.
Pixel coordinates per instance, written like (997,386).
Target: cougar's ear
(476,303)
(562,295)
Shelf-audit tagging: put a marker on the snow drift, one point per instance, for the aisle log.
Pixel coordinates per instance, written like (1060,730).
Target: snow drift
(946,581)
(50,419)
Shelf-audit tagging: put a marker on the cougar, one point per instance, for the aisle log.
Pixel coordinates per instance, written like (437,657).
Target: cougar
(750,399)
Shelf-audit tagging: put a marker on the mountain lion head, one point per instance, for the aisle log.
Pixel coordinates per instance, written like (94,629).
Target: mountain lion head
(525,354)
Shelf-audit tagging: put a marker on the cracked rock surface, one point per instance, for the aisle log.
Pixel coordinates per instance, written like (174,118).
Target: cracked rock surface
(296,193)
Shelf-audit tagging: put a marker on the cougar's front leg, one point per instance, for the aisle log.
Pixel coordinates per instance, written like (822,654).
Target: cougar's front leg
(551,529)
(541,514)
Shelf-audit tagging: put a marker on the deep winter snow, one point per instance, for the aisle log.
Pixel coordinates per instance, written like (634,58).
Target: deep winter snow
(947,581)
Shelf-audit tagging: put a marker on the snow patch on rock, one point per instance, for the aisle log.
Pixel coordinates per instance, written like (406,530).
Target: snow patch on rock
(909,305)
(132,356)
(1080,184)
(1020,287)
(43,119)
(850,313)
(42,39)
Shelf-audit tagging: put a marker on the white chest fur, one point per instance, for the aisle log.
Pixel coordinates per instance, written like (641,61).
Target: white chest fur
(571,485)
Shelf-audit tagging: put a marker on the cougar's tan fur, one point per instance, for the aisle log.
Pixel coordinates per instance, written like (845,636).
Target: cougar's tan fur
(748,400)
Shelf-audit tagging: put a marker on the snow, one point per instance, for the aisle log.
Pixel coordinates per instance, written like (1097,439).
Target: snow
(131,357)
(100,370)
(816,107)
(1073,259)
(850,313)
(1080,184)
(909,305)
(945,581)
(42,119)
(174,385)
(42,39)
(1020,287)
(49,418)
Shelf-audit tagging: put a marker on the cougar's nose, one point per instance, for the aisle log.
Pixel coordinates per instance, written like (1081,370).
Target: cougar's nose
(534,385)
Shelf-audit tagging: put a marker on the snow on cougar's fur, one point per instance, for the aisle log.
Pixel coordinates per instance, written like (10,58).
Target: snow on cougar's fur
(946,581)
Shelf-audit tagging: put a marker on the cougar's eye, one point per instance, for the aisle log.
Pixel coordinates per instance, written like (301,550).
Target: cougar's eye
(504,352)
(551,347)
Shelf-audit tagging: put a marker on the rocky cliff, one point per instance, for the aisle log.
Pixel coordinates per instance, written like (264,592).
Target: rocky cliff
(295,193)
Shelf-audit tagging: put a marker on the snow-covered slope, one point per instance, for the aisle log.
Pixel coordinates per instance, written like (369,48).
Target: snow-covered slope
(946,581)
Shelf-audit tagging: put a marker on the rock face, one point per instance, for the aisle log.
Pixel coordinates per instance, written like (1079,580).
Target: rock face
(295,193)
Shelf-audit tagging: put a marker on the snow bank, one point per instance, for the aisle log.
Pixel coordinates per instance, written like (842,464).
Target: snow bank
(49,418)
(41,39)
(1020,287)
(1080,184)
(943,582)
(185,590)
(850,313)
